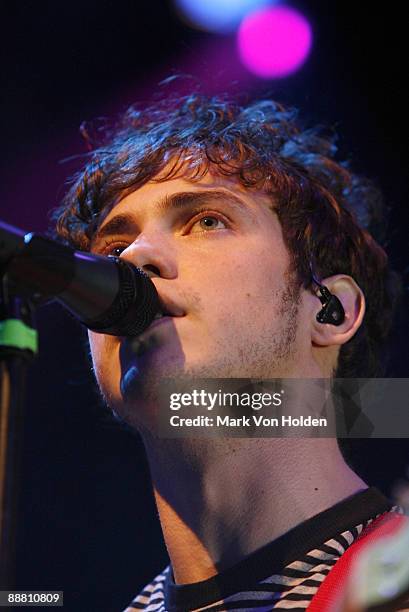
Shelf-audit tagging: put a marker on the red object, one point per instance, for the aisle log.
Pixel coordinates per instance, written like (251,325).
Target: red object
(334,585)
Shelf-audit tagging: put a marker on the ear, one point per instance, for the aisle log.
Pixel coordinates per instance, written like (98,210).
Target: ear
(353,302)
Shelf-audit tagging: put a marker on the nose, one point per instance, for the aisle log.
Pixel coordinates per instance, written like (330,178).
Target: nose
(153,254)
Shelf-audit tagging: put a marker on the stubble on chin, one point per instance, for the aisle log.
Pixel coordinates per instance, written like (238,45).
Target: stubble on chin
(262,356)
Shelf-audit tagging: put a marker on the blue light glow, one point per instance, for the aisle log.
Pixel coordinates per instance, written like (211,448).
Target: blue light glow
(217,15)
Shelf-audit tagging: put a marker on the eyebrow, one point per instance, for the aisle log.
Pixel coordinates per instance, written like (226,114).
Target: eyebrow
(124,223)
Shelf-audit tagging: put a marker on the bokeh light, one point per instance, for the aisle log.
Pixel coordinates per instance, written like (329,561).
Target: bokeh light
(274,42)
(217,15)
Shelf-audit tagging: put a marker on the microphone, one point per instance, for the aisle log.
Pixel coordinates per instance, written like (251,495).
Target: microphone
(107,294)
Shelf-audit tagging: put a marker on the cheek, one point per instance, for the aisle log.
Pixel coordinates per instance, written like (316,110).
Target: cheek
(237,303)
(254,282)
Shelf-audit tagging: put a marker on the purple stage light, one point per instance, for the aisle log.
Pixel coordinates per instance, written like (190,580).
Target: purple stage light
(274,42)
(217,15)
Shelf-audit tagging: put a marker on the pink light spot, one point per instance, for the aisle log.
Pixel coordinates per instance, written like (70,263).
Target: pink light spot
(274,42)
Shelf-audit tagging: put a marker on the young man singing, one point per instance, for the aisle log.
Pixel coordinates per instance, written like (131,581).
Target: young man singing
(230,210)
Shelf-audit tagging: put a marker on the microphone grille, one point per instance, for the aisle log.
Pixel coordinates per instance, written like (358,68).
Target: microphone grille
(135,305)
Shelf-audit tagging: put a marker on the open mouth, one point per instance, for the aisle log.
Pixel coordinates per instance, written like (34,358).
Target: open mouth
(159,318)
(161,315)
(139,345)
(166,314)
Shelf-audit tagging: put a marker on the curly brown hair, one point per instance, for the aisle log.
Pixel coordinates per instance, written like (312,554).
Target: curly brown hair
(326,211)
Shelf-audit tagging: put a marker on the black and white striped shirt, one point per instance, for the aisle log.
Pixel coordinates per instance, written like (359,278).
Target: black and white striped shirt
(283,575)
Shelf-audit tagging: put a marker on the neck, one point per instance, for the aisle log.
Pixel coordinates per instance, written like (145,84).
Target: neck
(220,500)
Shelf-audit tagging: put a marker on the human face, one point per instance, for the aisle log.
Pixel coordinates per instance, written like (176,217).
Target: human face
(216,254)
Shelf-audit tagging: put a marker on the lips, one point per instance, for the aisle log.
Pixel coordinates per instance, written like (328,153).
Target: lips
(168,309)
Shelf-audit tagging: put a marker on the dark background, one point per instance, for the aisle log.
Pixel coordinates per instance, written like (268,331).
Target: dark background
(88,525)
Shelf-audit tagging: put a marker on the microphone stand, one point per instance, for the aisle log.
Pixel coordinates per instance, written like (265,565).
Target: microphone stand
(18,346)
(110,297)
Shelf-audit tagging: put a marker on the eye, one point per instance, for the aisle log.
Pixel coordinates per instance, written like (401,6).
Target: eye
(207,223)
(113,248)
(116,251)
